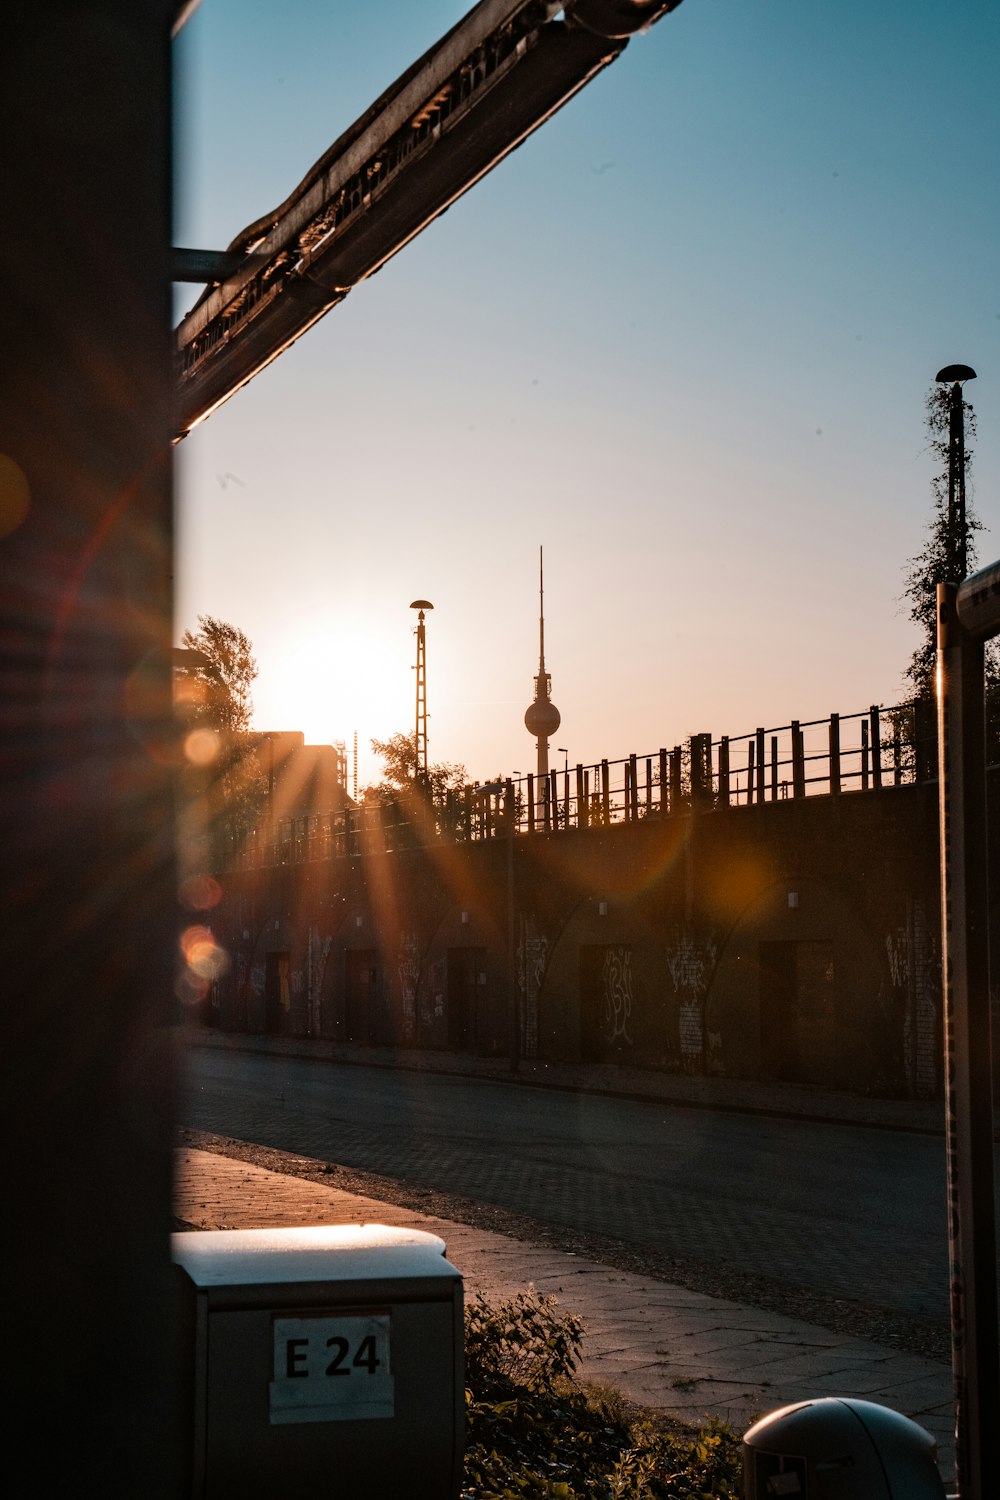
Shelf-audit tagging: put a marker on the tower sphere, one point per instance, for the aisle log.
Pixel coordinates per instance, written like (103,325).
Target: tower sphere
(542,718)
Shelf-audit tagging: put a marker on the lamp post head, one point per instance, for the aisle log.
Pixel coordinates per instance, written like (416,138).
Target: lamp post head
(952,373)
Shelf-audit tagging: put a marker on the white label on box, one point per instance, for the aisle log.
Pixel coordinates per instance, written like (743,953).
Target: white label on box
(331,1370)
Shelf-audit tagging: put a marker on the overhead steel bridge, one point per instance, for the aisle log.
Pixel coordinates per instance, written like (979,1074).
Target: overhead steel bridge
(498,75)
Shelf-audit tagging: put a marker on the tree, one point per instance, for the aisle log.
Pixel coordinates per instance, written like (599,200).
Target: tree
(215,681)
(433,808)
(398,755)
(936,562)
(214,673)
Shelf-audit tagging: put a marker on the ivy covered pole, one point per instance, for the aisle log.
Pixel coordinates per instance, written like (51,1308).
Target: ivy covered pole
(955,375)
(949,547)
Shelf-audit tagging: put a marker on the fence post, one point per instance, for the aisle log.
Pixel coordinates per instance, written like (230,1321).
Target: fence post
(531,803)
(834,754)
(724,771)
(664,803)
(606,792)
(798,761)
(750,770)
(864,755)
(694,760)
(633,776)
(760,765)
(876,747)
(774,768)
(675,778)
(582,810)
(649,786)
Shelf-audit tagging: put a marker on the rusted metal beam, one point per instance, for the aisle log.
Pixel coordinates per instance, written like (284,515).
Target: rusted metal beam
(498,75)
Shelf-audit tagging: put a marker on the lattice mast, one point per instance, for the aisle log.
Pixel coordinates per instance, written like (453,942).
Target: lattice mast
(420,736)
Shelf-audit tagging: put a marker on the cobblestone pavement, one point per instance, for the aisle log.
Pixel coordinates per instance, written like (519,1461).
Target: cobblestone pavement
(675,1350)
(805,1200)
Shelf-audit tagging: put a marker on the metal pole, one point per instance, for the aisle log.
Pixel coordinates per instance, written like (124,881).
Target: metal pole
(512,989)
(956,479)
(968,1052)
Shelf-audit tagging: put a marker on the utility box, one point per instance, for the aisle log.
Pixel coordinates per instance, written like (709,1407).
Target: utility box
(840,1449)
(321,1360)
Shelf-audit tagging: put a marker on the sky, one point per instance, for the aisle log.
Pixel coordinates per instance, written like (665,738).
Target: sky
(681,338)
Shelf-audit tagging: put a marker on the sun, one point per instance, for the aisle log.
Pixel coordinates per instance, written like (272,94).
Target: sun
(330,678)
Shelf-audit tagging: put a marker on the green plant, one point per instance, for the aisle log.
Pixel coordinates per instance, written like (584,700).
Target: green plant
(532,1431)
(523,1342)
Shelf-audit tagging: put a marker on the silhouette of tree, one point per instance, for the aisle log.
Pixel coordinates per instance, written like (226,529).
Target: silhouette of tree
(430,808)
(214,673)
(398,755)
(215,682)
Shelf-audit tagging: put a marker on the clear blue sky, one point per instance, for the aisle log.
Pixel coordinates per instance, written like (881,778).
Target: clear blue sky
(682,338)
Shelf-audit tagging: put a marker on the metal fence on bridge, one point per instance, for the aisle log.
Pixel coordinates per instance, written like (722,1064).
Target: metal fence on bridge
(874,750)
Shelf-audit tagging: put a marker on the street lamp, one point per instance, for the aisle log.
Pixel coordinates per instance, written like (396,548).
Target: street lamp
(561,750)
(420,736)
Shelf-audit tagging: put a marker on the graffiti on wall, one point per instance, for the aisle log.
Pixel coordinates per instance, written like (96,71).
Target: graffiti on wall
(408,969)
(618,993)
(316,957)
(532,957)
(690,964)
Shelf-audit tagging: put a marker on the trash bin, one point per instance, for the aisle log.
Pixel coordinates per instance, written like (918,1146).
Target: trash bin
(840,1449)
(327,1358)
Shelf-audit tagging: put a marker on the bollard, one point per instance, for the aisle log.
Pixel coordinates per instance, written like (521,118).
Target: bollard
(840,1449)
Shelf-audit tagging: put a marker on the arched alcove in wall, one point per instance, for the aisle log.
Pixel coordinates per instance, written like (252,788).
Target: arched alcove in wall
(802,993)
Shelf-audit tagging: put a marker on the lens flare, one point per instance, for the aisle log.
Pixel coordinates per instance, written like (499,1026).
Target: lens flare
(202,953)
(190,989)
(201,746)
(200,893)
(15,495)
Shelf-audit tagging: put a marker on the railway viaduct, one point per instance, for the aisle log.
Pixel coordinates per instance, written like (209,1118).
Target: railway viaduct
(793,939)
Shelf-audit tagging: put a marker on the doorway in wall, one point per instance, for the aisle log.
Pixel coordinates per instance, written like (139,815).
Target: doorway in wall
(277,993)
(606,1001)
(798,1017)
(465,965)
(360,993)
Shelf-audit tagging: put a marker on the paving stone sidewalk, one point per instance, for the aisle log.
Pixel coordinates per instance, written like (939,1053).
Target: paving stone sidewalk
(680,1352)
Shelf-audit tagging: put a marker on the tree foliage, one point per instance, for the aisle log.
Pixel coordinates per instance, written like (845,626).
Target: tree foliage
(214,677)
(217,689)
(934,563)
(398,755)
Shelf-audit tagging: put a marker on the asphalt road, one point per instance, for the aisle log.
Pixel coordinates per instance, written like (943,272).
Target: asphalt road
(850,1211)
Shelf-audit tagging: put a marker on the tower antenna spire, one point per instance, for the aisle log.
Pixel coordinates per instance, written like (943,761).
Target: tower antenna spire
(541,612)
(542,718)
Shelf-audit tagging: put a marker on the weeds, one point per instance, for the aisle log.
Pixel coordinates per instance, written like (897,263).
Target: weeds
(533,1433)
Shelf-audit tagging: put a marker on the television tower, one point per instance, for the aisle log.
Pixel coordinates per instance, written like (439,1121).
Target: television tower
(542,718)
